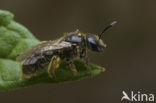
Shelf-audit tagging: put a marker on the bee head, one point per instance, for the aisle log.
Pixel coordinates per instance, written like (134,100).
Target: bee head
(95,43)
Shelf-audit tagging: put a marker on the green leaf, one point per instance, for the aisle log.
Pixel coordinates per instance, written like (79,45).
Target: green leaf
(16,39)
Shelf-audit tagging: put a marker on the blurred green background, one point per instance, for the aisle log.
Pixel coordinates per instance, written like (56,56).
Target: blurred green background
(129,59)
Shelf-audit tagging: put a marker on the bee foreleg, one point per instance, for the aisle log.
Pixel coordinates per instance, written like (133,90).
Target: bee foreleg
(88,65)
(54,63)
(72,67)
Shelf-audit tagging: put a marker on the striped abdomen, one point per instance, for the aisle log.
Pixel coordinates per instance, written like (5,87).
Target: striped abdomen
(36,63)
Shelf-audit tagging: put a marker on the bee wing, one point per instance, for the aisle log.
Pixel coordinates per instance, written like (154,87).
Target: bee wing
(56,46)
(32,51)
(43,47)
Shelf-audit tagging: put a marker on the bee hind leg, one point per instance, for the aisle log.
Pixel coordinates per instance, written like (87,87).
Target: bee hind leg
(72,67)
(54,63)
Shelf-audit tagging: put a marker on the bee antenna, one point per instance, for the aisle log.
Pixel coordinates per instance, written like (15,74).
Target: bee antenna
(105,29)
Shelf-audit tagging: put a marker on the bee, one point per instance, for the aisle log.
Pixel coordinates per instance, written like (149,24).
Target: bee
(51,53)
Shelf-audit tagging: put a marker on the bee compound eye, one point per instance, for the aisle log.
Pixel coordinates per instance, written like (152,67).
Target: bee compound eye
(94,44)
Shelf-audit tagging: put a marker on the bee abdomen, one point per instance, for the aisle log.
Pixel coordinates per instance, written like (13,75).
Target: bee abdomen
(35,64)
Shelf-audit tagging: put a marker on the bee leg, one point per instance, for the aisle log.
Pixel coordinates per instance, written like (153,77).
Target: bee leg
(88,65)
(84,57)
(72,67)
(54,63)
